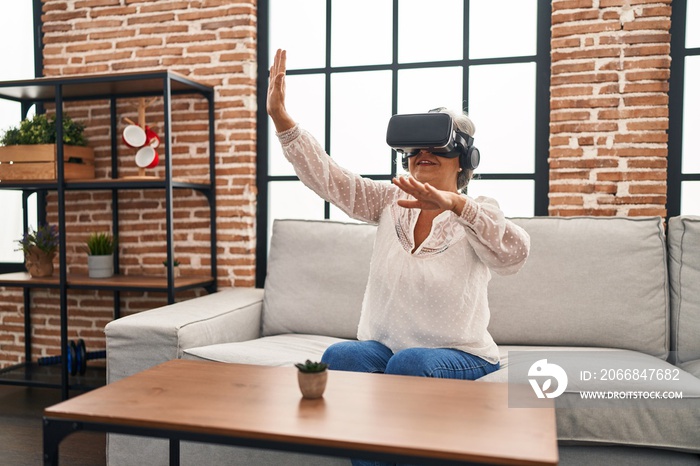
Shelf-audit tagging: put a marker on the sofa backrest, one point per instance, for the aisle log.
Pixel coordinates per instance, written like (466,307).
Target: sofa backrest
(316,276)
(684,277)
(589,281)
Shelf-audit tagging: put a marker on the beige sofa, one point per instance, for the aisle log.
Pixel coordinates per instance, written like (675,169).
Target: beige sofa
(609,291)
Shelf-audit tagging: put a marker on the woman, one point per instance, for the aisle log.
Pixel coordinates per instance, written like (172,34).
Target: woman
(425,310)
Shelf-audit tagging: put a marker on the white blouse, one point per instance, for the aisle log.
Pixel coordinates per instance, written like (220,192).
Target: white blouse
(435,296)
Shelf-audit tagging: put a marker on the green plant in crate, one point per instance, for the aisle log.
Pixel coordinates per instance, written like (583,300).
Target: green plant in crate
(100,244)
(41,129)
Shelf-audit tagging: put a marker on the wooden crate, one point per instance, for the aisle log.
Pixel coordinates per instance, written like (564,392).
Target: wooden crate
(38,162)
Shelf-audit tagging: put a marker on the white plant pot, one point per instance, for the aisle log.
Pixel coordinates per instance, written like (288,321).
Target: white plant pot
(101,266)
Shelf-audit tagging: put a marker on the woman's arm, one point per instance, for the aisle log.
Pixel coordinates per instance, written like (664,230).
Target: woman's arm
(500,243)
(358,197)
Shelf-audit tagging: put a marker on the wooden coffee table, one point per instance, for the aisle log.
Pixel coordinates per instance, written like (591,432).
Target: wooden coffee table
(384,417)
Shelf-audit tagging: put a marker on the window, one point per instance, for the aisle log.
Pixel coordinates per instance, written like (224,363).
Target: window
(354,63)
(684,110)
(16,27)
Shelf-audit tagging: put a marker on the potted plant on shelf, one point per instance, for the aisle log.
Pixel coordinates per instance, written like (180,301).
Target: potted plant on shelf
(100,249)
(39,248)
(312,377)
(176,270)
(29,150)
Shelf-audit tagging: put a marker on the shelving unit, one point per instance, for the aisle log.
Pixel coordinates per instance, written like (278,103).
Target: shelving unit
(104,87)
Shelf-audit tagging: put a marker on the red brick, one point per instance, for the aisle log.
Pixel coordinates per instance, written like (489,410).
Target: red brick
(599,52)
(566,42)
(648,212)
(592,102)
(582,127)
(647,189)
(568,91)
(655,24)
(586,28)
(558,5)
(573,16)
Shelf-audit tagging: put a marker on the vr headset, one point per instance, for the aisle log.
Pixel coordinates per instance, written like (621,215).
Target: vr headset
(432,132)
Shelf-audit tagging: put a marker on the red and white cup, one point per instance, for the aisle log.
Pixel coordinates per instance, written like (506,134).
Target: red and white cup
(152,138)
(134,136)
(146,157)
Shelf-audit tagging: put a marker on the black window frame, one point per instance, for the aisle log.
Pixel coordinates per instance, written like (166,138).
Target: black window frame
(542,61)
(675,109)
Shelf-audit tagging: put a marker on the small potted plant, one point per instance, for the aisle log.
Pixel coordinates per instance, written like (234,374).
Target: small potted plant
(312,377)
(100,249)
(176,264)
(39,247)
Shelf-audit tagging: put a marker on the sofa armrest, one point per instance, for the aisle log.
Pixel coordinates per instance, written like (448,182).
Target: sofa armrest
(146,339)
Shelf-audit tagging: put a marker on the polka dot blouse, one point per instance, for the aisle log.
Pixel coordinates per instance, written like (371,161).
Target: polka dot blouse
(432,296)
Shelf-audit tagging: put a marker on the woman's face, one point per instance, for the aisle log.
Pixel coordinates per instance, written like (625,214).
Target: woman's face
(440,172)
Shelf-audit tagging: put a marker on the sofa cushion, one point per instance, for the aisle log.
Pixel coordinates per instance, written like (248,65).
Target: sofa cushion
(692,366)
(670,423)
(317,273)
(684,277)
(589,281)
(276,350)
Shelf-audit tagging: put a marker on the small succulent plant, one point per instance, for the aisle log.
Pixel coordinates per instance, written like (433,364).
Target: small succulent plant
(310,366)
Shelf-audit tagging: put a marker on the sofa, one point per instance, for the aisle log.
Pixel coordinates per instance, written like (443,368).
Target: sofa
(625,289)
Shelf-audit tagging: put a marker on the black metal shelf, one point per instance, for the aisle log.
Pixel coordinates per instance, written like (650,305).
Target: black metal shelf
(114,283)
(34,375)
(111,87)
(96,185)
(91,87)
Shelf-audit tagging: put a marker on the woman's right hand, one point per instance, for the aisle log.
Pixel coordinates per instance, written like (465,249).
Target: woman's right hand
(276,93)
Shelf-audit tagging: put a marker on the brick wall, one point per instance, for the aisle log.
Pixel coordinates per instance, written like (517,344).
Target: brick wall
(609,107)
(210,41)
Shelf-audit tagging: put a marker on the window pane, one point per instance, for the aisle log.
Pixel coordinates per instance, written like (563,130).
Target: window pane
(305,101)
(488,19)
(16,28)
(516,197)
(299,26)
(12,226)
(691,116)
(690,198)
(371,45)
(503,110)
(430,31)
(692,25)
(423,89)
(291,199)
(360,111)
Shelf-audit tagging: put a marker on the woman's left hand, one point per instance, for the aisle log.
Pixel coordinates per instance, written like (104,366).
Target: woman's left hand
(426,196)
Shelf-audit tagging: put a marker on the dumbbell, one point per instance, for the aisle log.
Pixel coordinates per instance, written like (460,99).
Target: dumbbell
(77,357)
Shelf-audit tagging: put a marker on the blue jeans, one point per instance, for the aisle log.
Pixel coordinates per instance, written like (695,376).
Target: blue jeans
(372,356)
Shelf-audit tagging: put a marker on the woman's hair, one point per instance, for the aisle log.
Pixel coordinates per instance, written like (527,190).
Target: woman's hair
(463,124)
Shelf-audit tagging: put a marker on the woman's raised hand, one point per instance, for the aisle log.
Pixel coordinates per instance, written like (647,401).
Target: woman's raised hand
(276,93)
(426,196)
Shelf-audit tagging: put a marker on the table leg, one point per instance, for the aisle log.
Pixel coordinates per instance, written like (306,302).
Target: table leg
(54,432)
(174,452)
